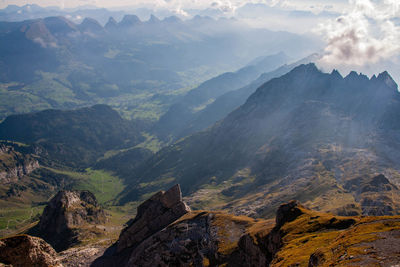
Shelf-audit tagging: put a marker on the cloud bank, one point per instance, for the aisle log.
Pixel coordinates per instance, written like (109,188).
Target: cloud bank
(368,34)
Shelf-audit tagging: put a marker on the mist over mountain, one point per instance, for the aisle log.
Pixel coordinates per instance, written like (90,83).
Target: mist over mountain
(302,135)
(218,109)
(140,67)
(173,122)
(33,11)
(187,133)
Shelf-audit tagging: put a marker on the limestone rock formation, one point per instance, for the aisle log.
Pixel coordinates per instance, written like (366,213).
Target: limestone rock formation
(153,215)
(24,250)
(298,237)
(14,165)
(376,194)
(68,216)
(199,238)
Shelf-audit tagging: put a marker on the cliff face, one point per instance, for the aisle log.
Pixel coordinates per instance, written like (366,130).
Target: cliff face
(69,215)
(14,165)
(24,250)
(154,214)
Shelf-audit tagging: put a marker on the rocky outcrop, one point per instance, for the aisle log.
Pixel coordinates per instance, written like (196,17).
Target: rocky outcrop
(14,165)
(288,212)
(298,237)
(166,233)
(153,215)
(190,241)
(376,194)
(68,216)
(196,239)
(24,250)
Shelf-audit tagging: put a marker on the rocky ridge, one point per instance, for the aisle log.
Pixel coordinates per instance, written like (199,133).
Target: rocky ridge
(175,236)
(298,237)
(15,164)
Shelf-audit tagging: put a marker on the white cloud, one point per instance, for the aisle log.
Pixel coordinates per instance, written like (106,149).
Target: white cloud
(366,35)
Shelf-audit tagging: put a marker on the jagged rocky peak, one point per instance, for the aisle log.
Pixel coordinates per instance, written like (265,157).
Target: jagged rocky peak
(111,24)
(24,250)
(90,25)
(354,77)
(67,213)
(153,215)
(306,69)
(335,73)
(387,79)
(129,21)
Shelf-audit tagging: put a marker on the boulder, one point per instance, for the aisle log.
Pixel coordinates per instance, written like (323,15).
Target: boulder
(25,250)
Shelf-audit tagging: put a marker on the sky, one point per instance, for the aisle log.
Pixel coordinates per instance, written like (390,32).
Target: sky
(365,37)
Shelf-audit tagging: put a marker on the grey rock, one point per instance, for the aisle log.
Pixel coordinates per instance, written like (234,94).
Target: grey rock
(153,215)
(67,213)
(24,250)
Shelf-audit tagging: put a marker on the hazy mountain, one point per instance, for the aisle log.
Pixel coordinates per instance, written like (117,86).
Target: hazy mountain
(91,26)
(179,115)
(226,103)
(301,136)
(32,11)
(75,137)
(56,63)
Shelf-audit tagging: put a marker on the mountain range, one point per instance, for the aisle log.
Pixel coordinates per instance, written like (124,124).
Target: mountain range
(202,109)
(329,141)
(306,135)
(102,110)
(139,67)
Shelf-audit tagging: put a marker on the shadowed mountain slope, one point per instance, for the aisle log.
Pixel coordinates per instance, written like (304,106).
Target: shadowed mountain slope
(173,123)
(74,137)
(302,136)
(228,102)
